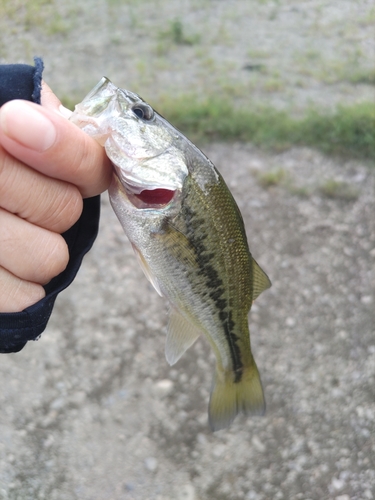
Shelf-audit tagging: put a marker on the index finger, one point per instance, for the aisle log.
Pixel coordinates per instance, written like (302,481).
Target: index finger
(46,141)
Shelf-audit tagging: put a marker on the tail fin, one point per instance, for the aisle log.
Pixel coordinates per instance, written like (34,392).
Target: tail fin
(228,398)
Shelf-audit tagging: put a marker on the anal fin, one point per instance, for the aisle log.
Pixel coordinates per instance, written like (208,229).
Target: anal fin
(181,335)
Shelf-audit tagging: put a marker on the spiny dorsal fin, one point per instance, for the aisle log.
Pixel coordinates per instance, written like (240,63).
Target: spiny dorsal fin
(260,280)
(181,335)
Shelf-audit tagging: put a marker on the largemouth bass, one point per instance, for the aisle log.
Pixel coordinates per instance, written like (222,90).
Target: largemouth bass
(189,237)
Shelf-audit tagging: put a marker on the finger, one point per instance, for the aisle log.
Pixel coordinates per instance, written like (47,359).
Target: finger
(54,146)
(49,99)
(41,200)
(17,294)
(31,252)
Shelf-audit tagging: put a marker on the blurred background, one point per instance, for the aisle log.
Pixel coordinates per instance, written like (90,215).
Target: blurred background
(281,96)
(214,66)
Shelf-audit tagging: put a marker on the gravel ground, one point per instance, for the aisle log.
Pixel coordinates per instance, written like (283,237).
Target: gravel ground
(288,54)
(92,411)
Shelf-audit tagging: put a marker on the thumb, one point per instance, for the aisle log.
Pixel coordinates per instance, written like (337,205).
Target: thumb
(43,138)
(50,101)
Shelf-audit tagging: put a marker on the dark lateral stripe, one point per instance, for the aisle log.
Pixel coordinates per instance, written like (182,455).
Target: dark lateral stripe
(215,285)
(235,352)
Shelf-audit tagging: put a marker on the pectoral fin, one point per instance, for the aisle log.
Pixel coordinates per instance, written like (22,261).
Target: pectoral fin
(181,335)
(260,280)
(147,271)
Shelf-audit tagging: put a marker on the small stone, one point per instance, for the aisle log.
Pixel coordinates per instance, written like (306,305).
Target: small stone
(342,497)
(360,411)
(49,419)
(258,444)
(151,464)
(218,450)
(201,438)
(290,322)
(77,398)
(187,493)
(57,404)
(163,387)
(49,441)
(366,299)
(337,484)
(343,334)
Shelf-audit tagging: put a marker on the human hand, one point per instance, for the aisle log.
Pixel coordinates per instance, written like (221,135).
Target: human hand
(47,166)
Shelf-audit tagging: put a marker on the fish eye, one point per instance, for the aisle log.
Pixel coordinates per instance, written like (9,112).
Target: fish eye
(143,111)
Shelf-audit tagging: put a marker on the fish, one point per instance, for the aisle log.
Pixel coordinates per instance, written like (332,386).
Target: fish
(189,238)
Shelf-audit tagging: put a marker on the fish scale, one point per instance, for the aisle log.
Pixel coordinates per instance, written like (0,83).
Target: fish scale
(189,238)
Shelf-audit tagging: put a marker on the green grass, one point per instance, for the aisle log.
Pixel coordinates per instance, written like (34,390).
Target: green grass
(176,33)
(349,131)
(279,177)
(364,76)
(274,177)
(338,190)
(39,14)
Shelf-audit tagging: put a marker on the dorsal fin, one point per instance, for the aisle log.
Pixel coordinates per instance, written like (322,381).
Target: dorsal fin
(181,335)
(260,280)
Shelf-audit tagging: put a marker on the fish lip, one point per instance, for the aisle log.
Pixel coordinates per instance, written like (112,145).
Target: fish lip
(135,185)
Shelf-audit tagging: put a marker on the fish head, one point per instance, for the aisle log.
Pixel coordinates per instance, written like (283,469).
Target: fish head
(143,147)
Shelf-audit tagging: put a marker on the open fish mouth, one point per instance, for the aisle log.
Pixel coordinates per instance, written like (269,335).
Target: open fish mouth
(141,196)
(149,198)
